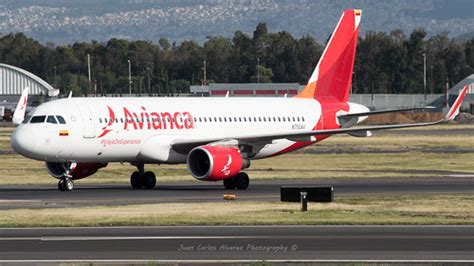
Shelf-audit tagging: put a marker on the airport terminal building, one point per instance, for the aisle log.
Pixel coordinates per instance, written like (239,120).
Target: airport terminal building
(14,80)
(247,89)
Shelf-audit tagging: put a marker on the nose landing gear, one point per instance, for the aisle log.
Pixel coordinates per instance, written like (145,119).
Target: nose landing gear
(65,184)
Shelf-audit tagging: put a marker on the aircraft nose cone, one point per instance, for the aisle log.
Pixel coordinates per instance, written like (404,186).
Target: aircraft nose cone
(23,141)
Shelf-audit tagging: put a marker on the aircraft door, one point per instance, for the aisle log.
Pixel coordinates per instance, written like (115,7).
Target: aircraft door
(87,121)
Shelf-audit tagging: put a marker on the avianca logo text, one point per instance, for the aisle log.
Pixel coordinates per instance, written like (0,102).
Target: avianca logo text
(226,169)
(145,120)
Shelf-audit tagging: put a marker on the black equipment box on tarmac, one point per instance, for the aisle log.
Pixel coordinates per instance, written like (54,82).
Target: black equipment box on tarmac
(314,194)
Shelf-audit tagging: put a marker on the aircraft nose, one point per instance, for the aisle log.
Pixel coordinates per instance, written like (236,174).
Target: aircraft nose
(23,141)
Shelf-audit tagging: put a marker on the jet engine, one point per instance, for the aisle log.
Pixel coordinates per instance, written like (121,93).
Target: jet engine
(212,163)
(76,170)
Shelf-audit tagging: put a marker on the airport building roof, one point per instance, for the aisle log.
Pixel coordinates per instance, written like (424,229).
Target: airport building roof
(248,89)
(13,80)
(458,87)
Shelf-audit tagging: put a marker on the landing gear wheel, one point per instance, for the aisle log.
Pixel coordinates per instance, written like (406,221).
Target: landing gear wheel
(149,180)
(61,185)
(242,181)
(65,185)
(69,184)
(229,183)
(136,180)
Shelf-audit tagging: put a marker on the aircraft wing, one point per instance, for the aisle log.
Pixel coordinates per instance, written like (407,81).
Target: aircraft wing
(186,145)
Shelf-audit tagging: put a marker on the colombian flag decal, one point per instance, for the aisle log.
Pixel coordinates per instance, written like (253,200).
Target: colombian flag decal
(357,12)
(63,133)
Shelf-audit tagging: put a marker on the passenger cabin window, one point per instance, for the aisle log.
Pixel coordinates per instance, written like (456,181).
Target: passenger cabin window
(51,120)
(38,119)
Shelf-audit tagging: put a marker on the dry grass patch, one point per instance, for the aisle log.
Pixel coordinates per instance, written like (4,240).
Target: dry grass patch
(427,209)
(389,142)
(14,168)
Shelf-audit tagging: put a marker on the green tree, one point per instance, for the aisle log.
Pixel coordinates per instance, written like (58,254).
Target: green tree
(262,75)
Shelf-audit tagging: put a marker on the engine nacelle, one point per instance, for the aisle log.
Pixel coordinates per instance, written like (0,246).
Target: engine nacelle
(77,170)
(212,163)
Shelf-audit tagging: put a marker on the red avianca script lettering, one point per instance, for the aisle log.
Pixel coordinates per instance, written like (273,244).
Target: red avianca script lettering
(157,120)
(145,120)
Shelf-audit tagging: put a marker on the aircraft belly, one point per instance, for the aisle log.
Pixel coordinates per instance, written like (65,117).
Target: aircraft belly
(274,147)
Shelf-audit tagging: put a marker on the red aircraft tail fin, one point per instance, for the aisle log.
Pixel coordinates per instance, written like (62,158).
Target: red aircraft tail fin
(331,79)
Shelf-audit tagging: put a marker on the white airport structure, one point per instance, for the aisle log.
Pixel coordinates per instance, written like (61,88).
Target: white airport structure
(13,81)
(247,89)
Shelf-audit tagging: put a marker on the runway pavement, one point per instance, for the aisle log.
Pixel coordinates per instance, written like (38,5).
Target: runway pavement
(229,243)
(12,197)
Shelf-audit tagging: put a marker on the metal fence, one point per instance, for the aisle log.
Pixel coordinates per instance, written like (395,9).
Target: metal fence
(397,101)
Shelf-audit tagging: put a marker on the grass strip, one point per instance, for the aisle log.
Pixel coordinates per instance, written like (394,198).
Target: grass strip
(416,210)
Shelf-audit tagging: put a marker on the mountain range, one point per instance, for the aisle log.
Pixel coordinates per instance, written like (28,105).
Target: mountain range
(65,21)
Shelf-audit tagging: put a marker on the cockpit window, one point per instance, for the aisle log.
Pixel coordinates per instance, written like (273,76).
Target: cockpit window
(27,119)
(37,119)
(61,119)
(51,120)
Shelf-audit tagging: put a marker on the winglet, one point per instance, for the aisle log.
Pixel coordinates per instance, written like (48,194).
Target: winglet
(20,110)
(70,95)
(454,111)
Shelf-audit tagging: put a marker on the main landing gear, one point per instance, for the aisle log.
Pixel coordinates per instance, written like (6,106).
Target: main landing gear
(239,181)
(141,179)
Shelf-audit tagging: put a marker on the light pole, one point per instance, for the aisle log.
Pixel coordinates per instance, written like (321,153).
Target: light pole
(424,74)
(205,73)
(89,71)
(148,72)
(129,77)
(431,83)
(55,84)
(258,70)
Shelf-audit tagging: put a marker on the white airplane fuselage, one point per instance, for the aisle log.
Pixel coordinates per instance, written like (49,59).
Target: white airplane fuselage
(141,130)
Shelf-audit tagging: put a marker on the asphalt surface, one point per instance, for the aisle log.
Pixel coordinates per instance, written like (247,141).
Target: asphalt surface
(12,197)
(184,243)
